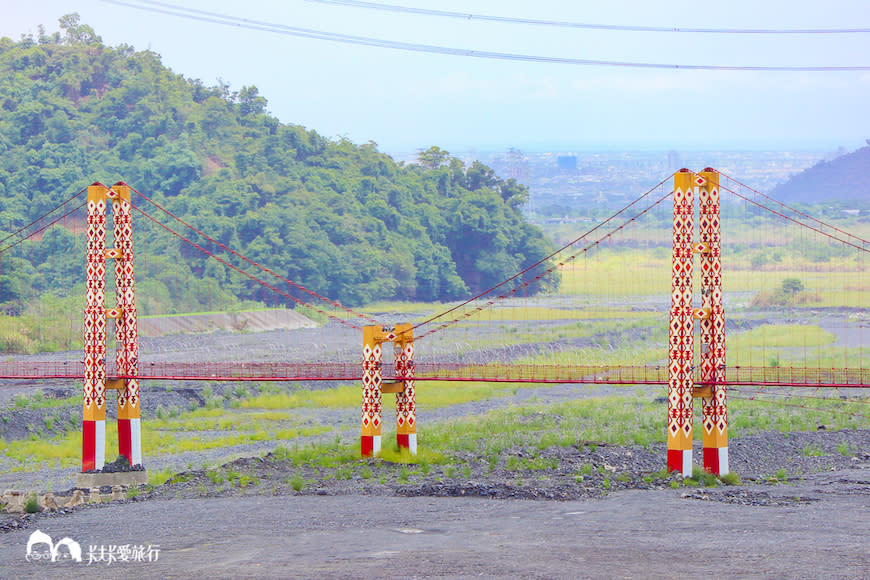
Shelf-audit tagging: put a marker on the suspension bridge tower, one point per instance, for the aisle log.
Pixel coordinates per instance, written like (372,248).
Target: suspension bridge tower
(97,315)
(682,389)
(402,337)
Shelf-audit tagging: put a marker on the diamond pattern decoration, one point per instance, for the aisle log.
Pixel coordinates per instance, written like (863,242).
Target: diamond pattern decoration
(96,313)
(681,347)
(713,329)
(681,325)
(372,379)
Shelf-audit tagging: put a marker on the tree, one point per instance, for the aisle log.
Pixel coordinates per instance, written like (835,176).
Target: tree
(792,286)
(433,157)
(75,33)
(250,102)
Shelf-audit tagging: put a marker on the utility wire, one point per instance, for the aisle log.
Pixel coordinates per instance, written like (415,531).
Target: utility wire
(262,26)
(582,25)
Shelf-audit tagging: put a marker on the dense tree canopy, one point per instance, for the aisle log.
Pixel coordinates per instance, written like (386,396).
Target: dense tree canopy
(342,219)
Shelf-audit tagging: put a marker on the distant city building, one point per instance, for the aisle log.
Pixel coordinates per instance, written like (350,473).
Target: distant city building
(566,163)
(517,165)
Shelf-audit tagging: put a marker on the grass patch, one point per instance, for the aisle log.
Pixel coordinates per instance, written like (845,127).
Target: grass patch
(393,454)
(296,482)
(812,451)
(704,477)
(159,477)
(780,335)
(38,400)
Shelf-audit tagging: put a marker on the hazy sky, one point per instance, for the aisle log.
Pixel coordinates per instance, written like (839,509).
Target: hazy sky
(407,100)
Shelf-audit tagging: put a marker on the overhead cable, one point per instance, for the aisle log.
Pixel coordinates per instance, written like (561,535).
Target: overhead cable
(582,25)
(262,26)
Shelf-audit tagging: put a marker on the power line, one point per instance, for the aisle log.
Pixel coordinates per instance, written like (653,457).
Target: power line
(262,26)
(582,25)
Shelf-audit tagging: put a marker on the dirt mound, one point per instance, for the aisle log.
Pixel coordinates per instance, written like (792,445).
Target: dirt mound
(256,321)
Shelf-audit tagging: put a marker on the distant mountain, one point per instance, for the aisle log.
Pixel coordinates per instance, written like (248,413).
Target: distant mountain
(841,179)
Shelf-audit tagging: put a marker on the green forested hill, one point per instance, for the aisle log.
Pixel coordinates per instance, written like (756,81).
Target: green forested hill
(339,218)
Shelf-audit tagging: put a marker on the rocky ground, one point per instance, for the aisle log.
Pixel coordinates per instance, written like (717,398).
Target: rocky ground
(587,510)
(587,470)
(590,509)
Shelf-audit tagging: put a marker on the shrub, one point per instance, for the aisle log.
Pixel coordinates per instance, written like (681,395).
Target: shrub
(31,505)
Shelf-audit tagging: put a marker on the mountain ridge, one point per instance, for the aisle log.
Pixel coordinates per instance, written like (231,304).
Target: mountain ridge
(843,178)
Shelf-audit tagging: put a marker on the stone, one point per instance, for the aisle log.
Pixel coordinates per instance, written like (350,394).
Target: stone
(49,502)
(77,498)
(95,496)
(118,493)
(15,501)
(125,478)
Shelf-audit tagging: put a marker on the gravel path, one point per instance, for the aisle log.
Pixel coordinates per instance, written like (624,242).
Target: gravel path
(815,528)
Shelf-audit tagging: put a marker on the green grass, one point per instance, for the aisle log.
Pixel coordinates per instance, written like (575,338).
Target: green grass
(31,504)
(812,451)
(780,335)
(38,400)
(159,477)
(393,454)
(217,477)
(514,463)
(297,482)
(242,308)
(186,432)
(836,281)
(334,398)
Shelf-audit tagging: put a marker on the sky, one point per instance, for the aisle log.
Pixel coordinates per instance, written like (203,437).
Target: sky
(407,100)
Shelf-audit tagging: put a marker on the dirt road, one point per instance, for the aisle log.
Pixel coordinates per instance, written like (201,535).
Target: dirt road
(814,528)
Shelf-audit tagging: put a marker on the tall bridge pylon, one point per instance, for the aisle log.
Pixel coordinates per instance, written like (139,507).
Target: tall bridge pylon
(681,335)
(96,322)
(402,337)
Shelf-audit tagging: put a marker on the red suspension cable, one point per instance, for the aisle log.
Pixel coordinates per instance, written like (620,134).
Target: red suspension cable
(541,261)
(788,207)
(548,270)
(40,230)
(255,264)
(802,224)
(45,215)
(247,275)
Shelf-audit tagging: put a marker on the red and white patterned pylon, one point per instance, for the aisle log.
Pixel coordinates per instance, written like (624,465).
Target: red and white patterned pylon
(712,322)
(401,335)
(681,345)
(126,335)
(681,355)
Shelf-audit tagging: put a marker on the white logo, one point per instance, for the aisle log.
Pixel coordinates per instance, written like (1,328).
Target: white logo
(110,554)
(73,550)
